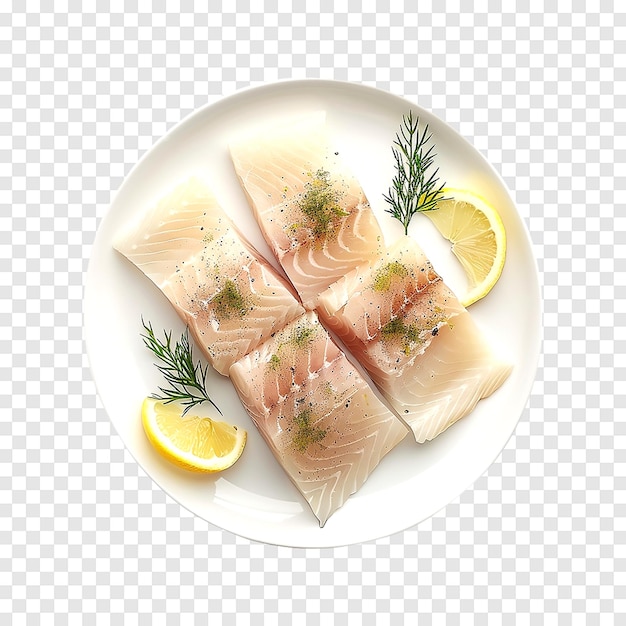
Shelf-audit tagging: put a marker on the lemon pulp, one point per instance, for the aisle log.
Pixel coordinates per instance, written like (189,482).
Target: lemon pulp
(195,443)
(478,239)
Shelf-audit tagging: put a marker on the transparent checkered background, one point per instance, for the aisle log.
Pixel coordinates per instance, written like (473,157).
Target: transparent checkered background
(86,537)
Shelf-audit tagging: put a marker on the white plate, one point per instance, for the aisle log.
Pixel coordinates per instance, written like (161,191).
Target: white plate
(254,498)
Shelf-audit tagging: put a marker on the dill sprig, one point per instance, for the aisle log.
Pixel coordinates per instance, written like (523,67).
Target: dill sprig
(187,381)
(413,190)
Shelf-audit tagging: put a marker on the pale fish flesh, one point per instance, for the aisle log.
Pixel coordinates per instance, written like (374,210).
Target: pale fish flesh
(230,297)
(311,209)
(420,346)
(321,419)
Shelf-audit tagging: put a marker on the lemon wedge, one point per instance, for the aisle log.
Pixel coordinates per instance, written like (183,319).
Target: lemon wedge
(198,444)
(478,239)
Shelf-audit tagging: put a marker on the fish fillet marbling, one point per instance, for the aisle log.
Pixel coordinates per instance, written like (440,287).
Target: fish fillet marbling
(230,297)
(311,209)
(420,346)
(321,419)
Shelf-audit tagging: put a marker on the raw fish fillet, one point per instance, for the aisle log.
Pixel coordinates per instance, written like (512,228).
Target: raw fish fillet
(422,349)
(229,296)
(324,424)
(311,210)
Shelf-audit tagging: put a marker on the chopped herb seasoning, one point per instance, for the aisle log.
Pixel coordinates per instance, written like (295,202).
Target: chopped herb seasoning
(306,434)
(229,302)
(320,204)
(274,361)
(386,275)
(302,336)
(299,338)
(397,330)
(409,335)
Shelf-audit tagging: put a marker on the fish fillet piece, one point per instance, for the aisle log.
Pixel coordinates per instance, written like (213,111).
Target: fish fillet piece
(425,353)
(283,365)
(311,209)
(374,293)
(230,297)
(321,419)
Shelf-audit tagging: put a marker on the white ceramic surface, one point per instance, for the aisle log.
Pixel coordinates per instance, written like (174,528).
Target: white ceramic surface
(254,498)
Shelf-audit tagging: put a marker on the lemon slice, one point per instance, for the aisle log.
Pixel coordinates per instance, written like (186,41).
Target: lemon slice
(198,444)
(478,239)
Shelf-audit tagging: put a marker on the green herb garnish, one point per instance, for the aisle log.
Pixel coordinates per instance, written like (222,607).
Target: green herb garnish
(408,334)
(306,434)
(302,336)
(320,203)
(229,302)
(299,338)
(386,275)
(187,381)
(413,190)
(274,361)
(414,334)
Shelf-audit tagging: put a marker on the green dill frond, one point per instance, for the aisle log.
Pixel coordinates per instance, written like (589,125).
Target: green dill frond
(413,189)
(187,381)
